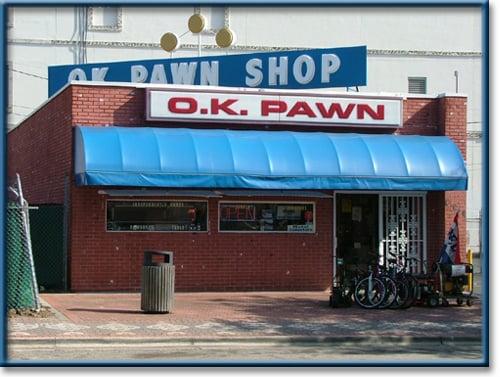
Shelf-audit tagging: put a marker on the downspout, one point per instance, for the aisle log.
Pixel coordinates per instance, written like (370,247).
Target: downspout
(334,249)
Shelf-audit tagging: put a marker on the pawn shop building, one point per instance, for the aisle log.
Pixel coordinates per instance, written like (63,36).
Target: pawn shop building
(251,189)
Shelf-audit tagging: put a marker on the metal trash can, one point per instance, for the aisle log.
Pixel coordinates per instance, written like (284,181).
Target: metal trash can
(157,282)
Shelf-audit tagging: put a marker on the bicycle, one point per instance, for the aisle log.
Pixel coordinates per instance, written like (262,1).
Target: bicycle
(370,291)
(422,286)
(397,288)
(404,282)
(343,292)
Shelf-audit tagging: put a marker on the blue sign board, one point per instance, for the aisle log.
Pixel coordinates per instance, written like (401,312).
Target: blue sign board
(304,69)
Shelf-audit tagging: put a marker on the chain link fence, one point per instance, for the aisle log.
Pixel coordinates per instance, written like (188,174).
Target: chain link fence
(47,243)
(22,290)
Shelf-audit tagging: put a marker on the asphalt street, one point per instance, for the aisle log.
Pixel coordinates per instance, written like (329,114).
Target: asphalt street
(258,352)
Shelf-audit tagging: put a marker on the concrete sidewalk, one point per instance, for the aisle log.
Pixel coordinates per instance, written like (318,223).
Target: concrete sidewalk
(238,317)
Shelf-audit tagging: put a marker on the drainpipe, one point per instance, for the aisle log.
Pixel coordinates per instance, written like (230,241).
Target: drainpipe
(456,81)
(334,251)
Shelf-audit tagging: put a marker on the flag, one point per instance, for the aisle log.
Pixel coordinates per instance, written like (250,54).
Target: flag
(450,252)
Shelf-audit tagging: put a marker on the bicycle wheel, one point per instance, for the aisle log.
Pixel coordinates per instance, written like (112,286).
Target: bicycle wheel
(402,295)
(412,284)
(369,292)
(391,292)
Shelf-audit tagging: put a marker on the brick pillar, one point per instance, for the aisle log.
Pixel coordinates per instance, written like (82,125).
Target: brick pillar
(453,123)
(435,225)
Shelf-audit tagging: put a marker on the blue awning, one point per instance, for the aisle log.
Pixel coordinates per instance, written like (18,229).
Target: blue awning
(193,158)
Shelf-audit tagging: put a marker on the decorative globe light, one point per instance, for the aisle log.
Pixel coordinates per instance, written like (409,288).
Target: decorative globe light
(224,37)
(196,23)
(169,42)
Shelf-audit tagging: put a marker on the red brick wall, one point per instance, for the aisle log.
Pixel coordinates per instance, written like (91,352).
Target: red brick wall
(41,150)
(441,210)
(442,116)
(453,123)
(420,117)
(204,261)
(435,225)
(102,106)
(453,120)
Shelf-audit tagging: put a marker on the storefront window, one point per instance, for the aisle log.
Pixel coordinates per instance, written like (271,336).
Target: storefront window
(156,216)
(266,217)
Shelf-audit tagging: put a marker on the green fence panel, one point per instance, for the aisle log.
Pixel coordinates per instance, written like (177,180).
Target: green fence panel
(47,231)
(20,288)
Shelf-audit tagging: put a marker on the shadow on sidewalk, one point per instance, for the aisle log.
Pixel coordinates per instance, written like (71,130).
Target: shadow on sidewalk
(275,313)
(272,309)
(111,311)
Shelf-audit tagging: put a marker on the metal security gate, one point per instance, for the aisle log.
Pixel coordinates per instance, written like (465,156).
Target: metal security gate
(47,238)
(402,230)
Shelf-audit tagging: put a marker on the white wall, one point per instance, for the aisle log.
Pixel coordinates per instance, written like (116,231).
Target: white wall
(474,197)
(427,29)
(46,36)
(402,42)
(379,28)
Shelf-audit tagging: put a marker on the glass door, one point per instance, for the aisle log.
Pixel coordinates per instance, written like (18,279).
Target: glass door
(371,227)
(357,229)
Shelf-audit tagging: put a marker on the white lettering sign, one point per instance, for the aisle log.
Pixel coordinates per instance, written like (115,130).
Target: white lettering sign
(254,71)
(77,74)
(291,70)
(285,108)
(280,71)
(99,74)
(138,73)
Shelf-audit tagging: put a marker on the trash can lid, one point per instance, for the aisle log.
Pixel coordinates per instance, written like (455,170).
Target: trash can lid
(168,257)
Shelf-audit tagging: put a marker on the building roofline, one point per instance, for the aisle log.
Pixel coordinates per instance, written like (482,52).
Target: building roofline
(321,91)
(259,90)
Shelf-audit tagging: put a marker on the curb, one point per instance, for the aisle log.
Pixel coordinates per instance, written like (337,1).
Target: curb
(275,340)
(54,311)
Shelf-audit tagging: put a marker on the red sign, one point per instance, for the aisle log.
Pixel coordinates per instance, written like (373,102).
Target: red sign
(237,212)
(271,107)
